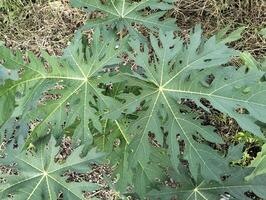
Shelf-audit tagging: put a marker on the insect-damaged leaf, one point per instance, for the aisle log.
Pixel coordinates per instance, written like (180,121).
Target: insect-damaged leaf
(127,14)
(153,126)
(195,71)
(59,95)
(38,176)
(233,187)
(6,74)
(258,164)
(232,184)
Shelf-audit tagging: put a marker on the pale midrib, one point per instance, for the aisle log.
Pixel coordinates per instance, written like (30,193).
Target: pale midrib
(32,94)
(98,8)
(40,78)
(99,22)
(46,179)
(148,22)
(64,187)
(29,164)
(132,102)
(115,7)
(48,188)
(76,63)
(187,138)
(68,166)
(65,77)
(146,81)
(188,65)
(163,64)
(189,196)
(35,188)
(148,121)
(72,164)
(153,78)
(103,64)
(17,183)
(104,131)
(98,54)
(56,108)
(123,8)
(27,66)
(206,189)
(135,7)
(213,95)
(98,95)
(122,132)
(200,195)
(85,123)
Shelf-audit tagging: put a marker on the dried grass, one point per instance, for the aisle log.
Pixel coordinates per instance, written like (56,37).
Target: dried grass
(216,14)
(51,25)
(43,26)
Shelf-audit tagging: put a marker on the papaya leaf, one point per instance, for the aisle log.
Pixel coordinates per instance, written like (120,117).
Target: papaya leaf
(59,95)
(125,14)
(233,187)
(258,164)
(195,71)
(7,74)
(225,37)
(142,118)
(38,176)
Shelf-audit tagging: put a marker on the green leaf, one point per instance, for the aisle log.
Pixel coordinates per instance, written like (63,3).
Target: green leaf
(175,72)
(249,60)
(233,187)
(6,74)
(232,184)
(114,142)
(258,164)
(40,177)
(7,103)
(263,32)
(125,14)
(225,37)
(59,95)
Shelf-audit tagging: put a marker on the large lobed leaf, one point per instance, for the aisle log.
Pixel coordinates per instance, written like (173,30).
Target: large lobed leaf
(59,95)
(127,14)
(231,186)
(65,96)
(38,176)
(148,180)
(194,71)
(234,187)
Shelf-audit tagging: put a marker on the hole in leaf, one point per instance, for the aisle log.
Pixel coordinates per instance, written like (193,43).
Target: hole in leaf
(207,60)
(242,110)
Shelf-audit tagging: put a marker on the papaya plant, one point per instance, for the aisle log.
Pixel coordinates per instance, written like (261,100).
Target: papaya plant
(38,176)
(49,88)
(232,186)
(127,15)
(129,99)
